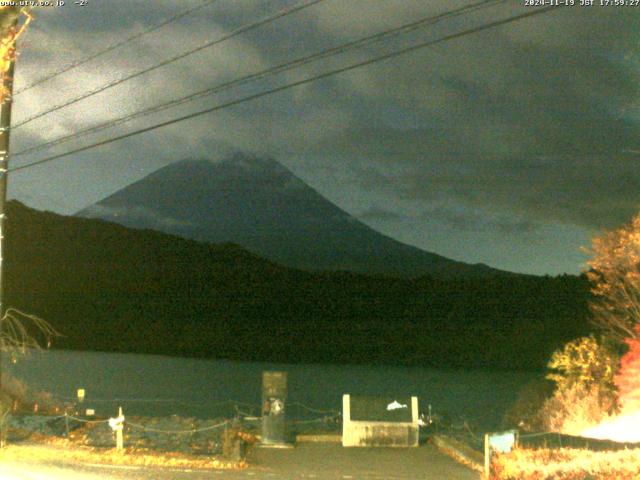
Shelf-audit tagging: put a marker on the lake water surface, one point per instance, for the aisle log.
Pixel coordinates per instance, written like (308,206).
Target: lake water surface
(158,385)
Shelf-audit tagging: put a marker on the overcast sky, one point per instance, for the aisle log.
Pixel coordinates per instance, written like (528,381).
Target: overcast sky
(511,147)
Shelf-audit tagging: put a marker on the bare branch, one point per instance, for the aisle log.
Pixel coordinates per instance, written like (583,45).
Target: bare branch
(15,337)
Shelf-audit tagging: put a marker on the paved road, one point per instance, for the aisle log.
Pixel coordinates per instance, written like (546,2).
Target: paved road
(305,462)
(332,461)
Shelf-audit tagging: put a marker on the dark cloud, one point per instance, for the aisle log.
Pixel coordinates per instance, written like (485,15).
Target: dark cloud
(486,222)
(594,190)
(456,219)
(516,130)
(535,127)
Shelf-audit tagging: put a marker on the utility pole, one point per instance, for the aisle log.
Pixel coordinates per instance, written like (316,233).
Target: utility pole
(8,32)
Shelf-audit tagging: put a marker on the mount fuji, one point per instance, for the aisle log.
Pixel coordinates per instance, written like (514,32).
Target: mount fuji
(261,205)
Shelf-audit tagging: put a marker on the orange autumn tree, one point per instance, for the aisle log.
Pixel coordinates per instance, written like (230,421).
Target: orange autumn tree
(9,33)
(615,279)
(586,370)
(628,377)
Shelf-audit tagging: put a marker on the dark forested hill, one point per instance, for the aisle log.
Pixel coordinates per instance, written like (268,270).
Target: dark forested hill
(106,287)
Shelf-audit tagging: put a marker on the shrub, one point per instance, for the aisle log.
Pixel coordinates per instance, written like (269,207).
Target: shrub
(13,392)
(585,394)
(15,395)
(572,410)
(565,464)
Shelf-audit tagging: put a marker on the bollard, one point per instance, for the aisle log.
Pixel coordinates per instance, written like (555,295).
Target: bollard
(117,424)
(119,441)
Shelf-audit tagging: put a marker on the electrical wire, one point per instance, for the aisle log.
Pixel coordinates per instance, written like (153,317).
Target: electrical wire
(292,84)
(281,13)
(301,61)
(110,48)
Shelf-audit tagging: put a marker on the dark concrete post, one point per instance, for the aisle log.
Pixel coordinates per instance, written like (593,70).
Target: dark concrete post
(274,397)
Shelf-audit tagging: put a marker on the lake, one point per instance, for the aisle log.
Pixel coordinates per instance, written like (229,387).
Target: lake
(159,385)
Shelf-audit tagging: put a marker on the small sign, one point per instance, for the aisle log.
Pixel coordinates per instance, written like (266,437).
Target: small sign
(502,442)
(81,395)
(90,412)
(274,384)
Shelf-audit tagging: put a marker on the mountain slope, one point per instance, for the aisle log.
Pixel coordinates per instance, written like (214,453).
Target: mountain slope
(259,204)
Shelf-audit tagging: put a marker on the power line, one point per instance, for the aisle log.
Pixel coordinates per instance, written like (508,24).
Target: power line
(292,84)
(266,72)
(93,56)
(281,13)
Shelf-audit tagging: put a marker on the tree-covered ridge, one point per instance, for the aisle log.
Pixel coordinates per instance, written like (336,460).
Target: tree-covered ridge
(106,287)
